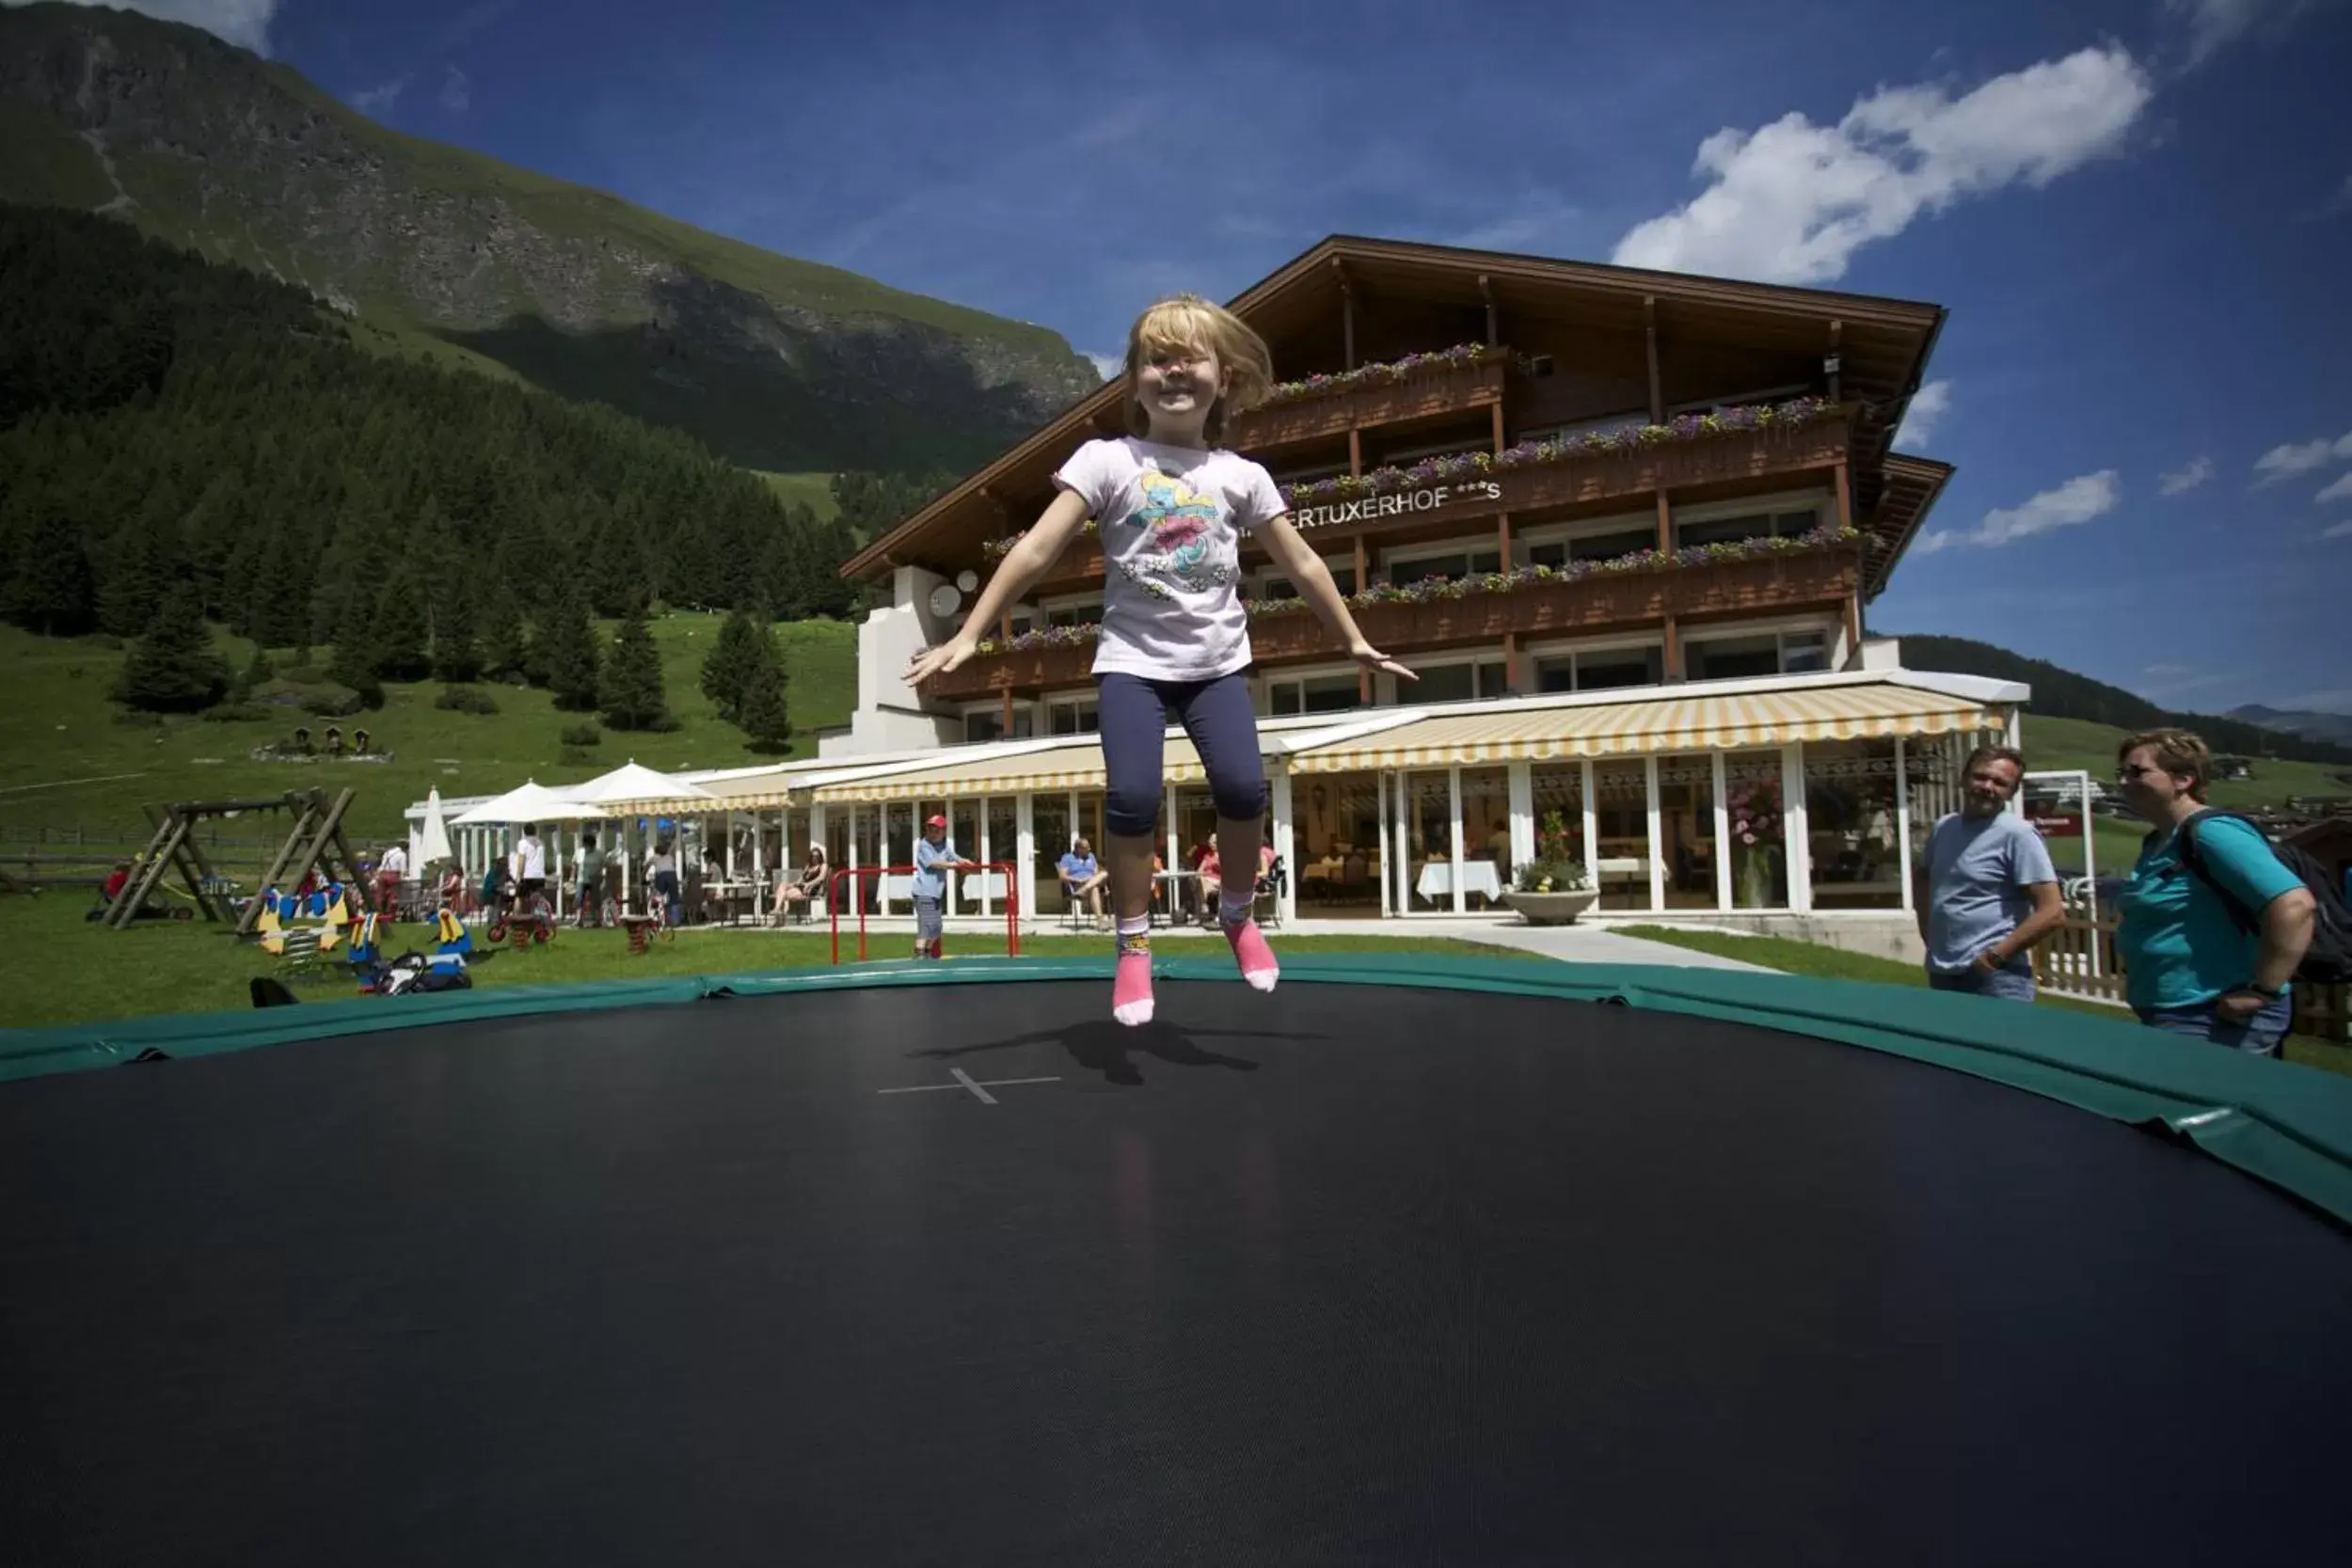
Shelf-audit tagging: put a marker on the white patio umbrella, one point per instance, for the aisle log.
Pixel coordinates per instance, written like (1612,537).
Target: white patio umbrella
(530,803)
(636,782)
(433,845)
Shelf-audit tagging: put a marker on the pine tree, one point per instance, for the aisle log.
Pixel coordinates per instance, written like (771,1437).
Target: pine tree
(147,564)
(50,588)
(763,713)
(456,644)
(353,665)
(631,693)
(506,640)
(730,661)
(567,648)
(399,636)
(258,673)
(174,668)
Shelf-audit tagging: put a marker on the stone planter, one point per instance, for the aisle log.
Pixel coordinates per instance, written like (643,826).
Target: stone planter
(1552,908)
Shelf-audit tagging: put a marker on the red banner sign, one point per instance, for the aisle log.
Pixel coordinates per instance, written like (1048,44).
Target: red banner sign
(2055,824)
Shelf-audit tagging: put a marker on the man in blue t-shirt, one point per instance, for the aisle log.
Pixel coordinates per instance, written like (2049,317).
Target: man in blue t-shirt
(1082,879)
(2190,966)
(1987,892)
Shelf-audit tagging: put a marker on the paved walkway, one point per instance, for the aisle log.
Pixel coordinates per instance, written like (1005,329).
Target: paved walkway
(1589,945)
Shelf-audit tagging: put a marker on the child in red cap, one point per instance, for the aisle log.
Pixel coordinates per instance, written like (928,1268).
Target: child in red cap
(931,852)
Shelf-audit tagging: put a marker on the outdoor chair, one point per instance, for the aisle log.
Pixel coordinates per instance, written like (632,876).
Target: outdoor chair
(1269,892)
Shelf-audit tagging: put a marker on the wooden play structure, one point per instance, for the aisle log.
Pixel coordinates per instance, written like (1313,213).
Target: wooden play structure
(315,843)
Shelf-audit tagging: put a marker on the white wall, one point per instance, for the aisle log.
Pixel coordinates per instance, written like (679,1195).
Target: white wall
(890,717)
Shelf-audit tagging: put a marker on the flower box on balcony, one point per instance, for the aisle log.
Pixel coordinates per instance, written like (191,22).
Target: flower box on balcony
(1709,580)
(1444,390)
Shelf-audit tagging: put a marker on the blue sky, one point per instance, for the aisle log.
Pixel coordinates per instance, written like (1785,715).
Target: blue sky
(2139,214)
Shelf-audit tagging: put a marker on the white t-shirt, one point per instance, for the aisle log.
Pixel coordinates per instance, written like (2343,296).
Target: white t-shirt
(530,860)
(1172,521)
(395,862)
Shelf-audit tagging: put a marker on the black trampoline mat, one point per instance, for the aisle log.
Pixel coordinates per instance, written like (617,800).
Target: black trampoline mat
(1344,1275)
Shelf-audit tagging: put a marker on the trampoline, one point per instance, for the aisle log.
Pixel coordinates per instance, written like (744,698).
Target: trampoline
(1410,1262)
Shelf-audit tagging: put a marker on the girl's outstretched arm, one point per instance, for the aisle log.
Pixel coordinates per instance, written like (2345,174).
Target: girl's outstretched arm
(1023,566)
(1304,567)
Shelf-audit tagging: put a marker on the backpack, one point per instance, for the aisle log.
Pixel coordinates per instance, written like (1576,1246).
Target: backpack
(2329,960)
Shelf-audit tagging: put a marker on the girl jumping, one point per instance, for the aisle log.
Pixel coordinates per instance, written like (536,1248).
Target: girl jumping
(1171,506)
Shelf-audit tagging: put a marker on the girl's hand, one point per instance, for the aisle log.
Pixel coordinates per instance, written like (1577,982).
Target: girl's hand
(1365,653)
(949,655)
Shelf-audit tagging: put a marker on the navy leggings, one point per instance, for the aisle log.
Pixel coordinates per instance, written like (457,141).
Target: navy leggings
(1134,714)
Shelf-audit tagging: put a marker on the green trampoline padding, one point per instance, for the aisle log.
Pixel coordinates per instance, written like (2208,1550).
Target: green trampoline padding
(2290,1125)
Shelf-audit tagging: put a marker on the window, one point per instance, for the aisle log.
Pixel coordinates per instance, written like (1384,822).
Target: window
(1343,577)
(1072,612)
(1453,565)
(1631,419)
(1747,525)
(1071,718)
(1592,546)
(1601,669)
(1741,400)
(1723,659)
(1314,694)
(1468,681)
(1308,475)
(988,723)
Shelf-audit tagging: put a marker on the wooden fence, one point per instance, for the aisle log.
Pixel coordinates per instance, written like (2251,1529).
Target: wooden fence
(73,857)
(2080,959)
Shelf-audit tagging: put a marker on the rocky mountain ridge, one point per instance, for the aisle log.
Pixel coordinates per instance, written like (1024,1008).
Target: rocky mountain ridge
(781,364)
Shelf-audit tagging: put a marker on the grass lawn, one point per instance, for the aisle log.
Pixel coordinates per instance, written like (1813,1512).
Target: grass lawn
(1834,963)
(814,491)
(68,971)
(2071,743)
(72,760)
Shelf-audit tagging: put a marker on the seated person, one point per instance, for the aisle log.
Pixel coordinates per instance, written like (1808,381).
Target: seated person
(1082,879)
(804,889)
(1213,877)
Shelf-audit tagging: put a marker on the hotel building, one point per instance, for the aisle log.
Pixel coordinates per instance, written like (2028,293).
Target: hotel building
(1625,526)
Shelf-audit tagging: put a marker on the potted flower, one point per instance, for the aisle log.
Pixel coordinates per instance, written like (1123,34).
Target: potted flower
(1755,832)
(1553,889)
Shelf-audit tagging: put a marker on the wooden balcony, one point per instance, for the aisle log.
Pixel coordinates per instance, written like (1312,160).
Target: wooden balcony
(1442,391)
(1761,586)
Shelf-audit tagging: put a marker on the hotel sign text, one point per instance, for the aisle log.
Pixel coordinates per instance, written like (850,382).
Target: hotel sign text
(1395,503)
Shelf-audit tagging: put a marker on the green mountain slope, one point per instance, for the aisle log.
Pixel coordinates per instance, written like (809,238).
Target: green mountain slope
(780,364)
(2063,694)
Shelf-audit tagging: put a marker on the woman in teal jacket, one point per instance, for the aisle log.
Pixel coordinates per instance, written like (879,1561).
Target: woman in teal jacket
(2190,966)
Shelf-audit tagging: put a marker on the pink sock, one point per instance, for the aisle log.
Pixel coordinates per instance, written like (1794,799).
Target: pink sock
(1257,959)
(1131,989)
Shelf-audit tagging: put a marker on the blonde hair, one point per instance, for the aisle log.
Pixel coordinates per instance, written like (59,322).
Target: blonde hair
(1183,322)
(2179,751)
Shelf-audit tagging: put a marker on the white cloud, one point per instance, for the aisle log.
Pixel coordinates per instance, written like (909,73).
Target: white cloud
(1792,202)
(2185,479)
(239,21)
(1110,364)
(1929,405)
(2162,670)
(457,92)
(2212,24)
(2338,531)
(2287,461)
(2078,500)
(2340,490)
(376,99)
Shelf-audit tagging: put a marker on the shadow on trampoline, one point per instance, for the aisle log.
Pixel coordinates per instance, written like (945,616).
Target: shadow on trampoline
(1105,1046)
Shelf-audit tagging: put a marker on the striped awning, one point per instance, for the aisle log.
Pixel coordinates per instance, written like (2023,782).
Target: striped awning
(753,792)
(1694,722)
(1059,767)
